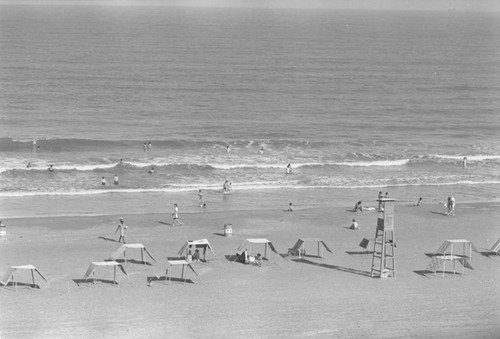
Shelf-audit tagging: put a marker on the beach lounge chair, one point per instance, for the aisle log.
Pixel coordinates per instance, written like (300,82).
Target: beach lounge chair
(495,249)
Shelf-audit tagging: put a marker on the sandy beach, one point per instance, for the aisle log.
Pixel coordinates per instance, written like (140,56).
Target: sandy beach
(330,297)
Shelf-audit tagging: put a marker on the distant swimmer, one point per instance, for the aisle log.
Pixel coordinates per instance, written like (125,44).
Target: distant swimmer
(228,149)
(464,162)
(116,181)
(38,149)
(103,181)
(200,197)
(144,147)
(150,146)
(288,169)
(121,162)
(28,165)
(51,168)
(261,150)
(152,170)
(226,187)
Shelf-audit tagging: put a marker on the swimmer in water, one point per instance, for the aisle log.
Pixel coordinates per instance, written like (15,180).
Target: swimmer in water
(228,149)
(103,181)
(261,150)
(464,162)
(28,165)
(116,181)
(51,168)
(288,169)
(152,170)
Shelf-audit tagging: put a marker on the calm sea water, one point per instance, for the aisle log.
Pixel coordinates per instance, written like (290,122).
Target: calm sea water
(361,101)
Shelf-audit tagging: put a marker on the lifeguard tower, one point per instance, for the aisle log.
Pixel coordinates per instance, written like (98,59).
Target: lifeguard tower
(384,247)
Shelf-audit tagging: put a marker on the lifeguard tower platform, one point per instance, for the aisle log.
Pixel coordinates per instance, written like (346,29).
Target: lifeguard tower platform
(384,247)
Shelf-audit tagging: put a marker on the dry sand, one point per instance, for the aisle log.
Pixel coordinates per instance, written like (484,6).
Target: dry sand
(330,297)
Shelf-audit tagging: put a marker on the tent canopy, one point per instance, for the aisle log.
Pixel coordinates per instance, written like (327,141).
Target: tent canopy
(95,264)
(13,270)
(202,243)
(300,246)
(248,244)
(124,247)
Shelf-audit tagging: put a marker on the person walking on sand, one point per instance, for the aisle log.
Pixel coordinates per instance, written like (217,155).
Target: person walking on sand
(121,227)
(451,206)
(116,180)
(175,216)
(290,207)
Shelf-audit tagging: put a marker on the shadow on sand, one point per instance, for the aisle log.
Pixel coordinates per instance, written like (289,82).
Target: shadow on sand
(107,239)
(335,267)
(442,213)
(219,234)
(21,285)
(164,280)
(358,252)
(424,273)
(165,223)
(133,261)
(91,282)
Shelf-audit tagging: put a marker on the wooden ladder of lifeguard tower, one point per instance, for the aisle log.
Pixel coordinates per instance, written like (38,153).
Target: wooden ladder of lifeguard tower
(384,247)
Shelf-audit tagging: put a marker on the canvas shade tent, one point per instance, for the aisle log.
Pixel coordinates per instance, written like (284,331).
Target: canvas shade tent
(96,264)
(202,243)
(452,251)
(13,272)
(248,246)
(183,264)
(124,247)
(300,247)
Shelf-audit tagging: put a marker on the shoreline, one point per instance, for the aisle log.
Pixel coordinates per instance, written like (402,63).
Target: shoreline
(240,200)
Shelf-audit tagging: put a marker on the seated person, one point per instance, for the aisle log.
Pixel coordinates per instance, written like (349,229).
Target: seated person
(189,256)
(354,225)
(358,207)
(258,259)
(196,255)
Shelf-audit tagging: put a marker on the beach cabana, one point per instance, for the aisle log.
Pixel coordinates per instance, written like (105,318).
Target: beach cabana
(197,244)
(123,249)
(183,264)
(95,265)
(452,251)
(13,271)
(314,244)
(248,247)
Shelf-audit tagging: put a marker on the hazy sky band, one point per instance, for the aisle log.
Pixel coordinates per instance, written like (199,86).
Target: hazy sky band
(423,5)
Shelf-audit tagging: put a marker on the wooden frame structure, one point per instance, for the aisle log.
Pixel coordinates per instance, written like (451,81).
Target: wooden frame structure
(96,264)
(123,249)
(300,247)
(452,251)
(11,275)
(183,263)
(384,245)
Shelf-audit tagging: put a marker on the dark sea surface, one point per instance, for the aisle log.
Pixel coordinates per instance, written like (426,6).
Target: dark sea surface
(355,101)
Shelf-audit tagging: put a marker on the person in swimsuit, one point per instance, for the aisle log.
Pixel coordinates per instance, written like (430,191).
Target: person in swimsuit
(121,227)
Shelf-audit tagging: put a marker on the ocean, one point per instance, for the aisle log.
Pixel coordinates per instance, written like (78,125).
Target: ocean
(356,101)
